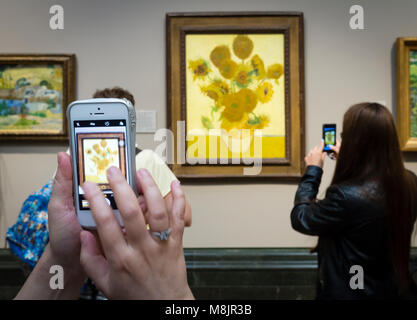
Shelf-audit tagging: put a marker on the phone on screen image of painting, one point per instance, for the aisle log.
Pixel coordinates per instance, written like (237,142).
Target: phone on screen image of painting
(102,134)
(329,137)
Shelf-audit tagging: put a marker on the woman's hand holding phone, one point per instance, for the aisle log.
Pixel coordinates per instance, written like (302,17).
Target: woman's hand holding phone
(335,150)
(64,242)
(136,265)
(316,156)
(64,228)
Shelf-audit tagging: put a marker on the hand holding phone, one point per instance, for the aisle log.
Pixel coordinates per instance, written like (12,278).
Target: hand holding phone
(162,272)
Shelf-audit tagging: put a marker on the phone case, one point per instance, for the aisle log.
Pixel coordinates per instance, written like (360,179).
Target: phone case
(130,123)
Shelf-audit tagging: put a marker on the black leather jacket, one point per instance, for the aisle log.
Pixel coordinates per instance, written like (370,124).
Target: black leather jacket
(351,228)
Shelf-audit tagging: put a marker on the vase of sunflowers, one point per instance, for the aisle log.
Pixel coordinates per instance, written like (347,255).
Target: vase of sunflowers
(242,83)
(102,156)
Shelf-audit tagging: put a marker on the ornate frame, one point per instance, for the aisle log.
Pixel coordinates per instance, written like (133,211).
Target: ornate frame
(68,65)
(178,25)
(404,45)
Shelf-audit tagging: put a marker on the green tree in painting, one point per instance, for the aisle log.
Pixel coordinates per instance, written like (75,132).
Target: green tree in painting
(51,104)
(46,84)
(3,109)
(23,121)
(21,82)
(24,110)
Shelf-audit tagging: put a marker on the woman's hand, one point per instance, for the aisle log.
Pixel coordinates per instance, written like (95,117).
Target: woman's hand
(316,156)
(64,242)
(136,265)
(335,150)
(63,225)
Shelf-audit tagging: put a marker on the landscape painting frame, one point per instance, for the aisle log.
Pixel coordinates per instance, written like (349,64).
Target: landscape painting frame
(406,108)
(242,25)
(30,100)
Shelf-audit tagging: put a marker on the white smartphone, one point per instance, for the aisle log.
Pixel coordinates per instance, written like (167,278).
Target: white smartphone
(102,134)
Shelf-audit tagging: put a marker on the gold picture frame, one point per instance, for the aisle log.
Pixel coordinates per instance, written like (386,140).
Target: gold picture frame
(35,90)
(184,33)
(406,109)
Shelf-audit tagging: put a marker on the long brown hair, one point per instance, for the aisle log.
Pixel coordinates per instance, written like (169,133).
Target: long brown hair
(370,151)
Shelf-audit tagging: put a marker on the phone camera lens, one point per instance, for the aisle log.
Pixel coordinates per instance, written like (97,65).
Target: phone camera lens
(98,108)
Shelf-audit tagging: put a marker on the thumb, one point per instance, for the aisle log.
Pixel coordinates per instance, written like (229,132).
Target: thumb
(62,187)
(61,197)
(92,260)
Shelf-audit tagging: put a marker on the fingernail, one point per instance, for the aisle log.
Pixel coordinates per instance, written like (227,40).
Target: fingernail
(86,186)
(143,173)
(59,159)
(112,171)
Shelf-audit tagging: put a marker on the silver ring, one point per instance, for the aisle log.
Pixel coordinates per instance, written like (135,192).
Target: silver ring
(164,235)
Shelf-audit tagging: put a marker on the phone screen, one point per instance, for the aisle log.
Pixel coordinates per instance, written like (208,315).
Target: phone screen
(99,145)
(329,136)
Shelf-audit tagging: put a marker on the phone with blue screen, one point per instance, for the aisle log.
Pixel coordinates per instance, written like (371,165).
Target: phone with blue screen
(329,137)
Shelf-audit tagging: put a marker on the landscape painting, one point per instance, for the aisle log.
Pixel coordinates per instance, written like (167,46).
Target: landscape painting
(406,83)
(413,93)
(33,97)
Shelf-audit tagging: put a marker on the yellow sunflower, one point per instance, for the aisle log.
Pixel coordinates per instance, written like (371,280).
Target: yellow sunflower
(211,92)
(216,91)
(222,86)
(234,125)
(228,68)
(234,107)
(248,98)
(199,67)
(219,54)
(243,76)
(258,122)
(242,46)
(258,66)
(264,92)
(275,71)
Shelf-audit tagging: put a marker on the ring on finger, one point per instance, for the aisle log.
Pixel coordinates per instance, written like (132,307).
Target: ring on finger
(163,235)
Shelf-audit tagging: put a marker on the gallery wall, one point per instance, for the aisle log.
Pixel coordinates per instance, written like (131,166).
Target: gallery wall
(123,43)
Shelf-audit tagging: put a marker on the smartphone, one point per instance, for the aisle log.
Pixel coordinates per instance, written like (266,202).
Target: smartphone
(329,137)
(102,134)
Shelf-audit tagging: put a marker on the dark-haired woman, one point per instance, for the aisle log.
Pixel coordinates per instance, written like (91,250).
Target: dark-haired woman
(366,220)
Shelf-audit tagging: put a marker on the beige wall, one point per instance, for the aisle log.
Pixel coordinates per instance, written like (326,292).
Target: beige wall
(123,43)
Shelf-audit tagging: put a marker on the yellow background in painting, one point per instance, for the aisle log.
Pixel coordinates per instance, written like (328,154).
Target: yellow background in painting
(34,74)
(215,147)
(270,48)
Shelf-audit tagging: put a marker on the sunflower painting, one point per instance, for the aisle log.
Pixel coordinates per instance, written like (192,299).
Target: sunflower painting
(235,84)
(99,155)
